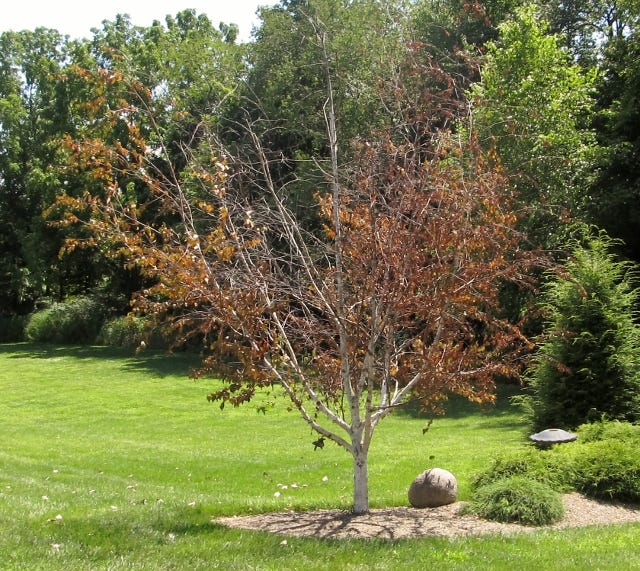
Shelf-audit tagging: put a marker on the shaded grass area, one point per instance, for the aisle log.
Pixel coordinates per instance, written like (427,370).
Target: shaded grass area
(116,461)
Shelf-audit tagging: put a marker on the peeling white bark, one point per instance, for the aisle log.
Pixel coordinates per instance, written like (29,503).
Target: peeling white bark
(360,480)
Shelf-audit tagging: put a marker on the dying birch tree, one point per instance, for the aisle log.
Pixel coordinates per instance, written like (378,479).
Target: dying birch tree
(391,294)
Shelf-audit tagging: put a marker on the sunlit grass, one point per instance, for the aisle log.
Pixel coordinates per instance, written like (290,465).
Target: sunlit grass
(114,461)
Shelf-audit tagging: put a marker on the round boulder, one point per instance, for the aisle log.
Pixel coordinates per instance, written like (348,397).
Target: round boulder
(433,488)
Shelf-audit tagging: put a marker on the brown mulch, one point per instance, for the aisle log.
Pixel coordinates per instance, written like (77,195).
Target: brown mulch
(406,522)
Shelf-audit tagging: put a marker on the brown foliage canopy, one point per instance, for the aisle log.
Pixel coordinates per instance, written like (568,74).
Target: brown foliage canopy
(398,296)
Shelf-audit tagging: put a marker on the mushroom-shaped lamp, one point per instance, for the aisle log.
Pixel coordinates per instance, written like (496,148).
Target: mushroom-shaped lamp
(552,436)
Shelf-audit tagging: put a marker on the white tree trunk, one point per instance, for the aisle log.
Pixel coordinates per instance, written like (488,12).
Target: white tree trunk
(360,479)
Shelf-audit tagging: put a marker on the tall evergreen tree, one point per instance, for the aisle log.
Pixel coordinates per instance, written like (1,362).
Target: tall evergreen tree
(588,364)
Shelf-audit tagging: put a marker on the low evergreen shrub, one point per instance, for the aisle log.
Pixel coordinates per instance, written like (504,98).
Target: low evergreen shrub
(554,468)
(517,500)
(609,430)
(609,469)
(603,463)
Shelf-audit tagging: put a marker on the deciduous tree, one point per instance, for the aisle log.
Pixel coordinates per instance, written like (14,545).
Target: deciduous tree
(396,299)
(615,193)
(532,105)
(34,112)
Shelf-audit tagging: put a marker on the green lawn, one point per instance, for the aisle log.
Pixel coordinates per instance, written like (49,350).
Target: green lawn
(112,461)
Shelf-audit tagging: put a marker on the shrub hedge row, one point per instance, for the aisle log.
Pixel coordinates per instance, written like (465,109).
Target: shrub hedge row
(603,463)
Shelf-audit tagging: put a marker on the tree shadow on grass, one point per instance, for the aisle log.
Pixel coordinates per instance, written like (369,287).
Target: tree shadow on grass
(107,534)
(157,363)
(164,364)
(459,407)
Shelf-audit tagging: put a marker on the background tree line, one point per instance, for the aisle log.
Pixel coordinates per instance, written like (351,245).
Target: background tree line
(554,91)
